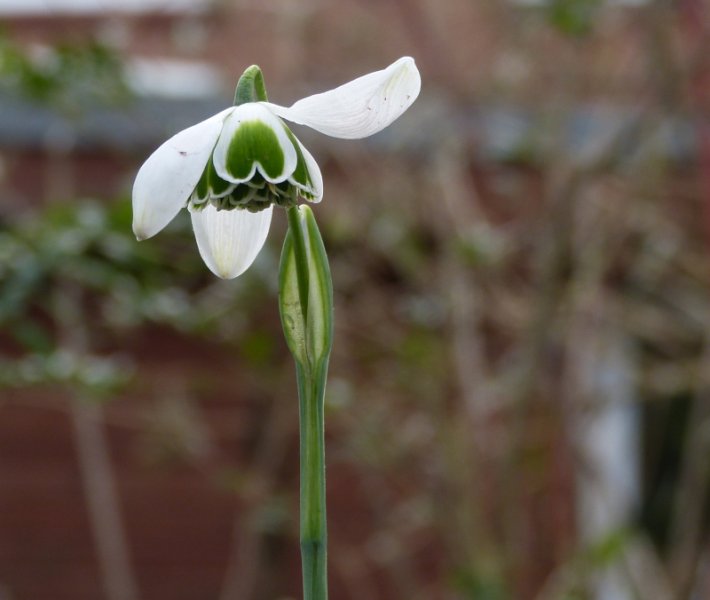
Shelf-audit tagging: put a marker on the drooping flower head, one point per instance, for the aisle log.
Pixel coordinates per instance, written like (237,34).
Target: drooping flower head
(231,169)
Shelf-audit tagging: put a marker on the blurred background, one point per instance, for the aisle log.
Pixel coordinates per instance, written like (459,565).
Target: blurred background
(518,405)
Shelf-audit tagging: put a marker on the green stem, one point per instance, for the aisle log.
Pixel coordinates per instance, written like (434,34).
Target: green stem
(314,536)
(311,375)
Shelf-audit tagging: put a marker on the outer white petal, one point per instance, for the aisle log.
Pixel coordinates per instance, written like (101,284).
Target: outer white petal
(229,240)
(166,180)
(359,108)
(244,113)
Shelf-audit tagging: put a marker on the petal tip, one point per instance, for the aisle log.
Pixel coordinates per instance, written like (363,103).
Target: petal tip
(146,223)
(225,274)
(140,232)
(413,83)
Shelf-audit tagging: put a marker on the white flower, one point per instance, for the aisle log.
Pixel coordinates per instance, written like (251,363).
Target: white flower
(231,169)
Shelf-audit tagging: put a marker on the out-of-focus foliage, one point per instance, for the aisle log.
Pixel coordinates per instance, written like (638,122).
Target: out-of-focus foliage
(574,17)
(67,76)
(74,275)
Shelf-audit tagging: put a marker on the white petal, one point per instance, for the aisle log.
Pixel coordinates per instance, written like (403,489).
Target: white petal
(359,108)
(313,172)
(229,240)
(166,180)
(246,113)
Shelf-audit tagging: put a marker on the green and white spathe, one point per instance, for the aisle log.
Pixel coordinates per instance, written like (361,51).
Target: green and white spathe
(230,169)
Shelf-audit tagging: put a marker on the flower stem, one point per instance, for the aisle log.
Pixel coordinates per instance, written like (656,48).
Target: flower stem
(314,536)
(306,306)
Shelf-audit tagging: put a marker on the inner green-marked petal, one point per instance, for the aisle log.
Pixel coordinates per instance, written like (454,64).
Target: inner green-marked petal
(218,186)
(211,184)
(254,141)
(301,174)
(202,187)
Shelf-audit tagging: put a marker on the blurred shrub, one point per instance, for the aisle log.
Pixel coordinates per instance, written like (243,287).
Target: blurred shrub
(67,76)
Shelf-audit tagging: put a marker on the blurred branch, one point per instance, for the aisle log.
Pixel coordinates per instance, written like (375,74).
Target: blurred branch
(95,464)
(466,427)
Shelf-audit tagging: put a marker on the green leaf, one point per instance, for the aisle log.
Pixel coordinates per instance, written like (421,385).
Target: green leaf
(292,317)
(306,291)
(319,324)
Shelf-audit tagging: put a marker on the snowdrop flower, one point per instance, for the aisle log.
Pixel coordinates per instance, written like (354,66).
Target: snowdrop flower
(231,169)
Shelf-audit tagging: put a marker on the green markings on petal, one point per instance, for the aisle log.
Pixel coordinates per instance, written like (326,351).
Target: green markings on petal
(301,175)
(219,186)
(306,176)
(201,193)
(257,162)
(210,185)
(254,142)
